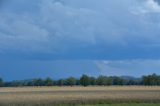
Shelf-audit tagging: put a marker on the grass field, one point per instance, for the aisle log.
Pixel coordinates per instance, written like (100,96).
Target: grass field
(53,96)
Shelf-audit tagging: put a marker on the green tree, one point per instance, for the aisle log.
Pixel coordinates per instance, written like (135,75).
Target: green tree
(101,80)
(71,81)
(93,81)
(85,80)
(151,80)
(1,82)
(48,82)
(78,82)
(61,82)
(118,81)
(104,80)
(38,82)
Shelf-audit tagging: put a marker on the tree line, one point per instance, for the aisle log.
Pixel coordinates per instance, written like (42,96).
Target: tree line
(86,80)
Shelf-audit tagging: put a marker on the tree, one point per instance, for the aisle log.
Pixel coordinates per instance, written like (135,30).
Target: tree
(93,81)
(85,80)
(103,80)
(48,82)
(61,82)
(71,81)
(100,80)
(118,81)
(78,82)
(151,80)
(1,82)
(38,82)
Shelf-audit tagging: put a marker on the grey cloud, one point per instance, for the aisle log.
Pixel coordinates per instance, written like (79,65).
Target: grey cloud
(128,67)
(55,25)
(157,1)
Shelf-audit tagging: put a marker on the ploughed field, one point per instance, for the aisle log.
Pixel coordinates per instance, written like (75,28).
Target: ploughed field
(89,96)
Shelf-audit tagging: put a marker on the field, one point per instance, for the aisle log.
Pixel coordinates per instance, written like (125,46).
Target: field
(128,104)
(80,96)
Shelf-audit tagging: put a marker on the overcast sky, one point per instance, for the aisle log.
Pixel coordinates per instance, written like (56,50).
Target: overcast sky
(40,38)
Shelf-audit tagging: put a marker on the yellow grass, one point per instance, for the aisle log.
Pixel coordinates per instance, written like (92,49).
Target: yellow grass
(79,95)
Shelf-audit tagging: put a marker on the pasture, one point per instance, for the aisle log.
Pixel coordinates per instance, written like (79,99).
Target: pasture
(80,96)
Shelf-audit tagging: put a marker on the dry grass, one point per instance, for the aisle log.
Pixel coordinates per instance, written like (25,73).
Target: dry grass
(37,96)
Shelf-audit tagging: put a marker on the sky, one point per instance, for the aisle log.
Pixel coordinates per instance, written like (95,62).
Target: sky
(62,38)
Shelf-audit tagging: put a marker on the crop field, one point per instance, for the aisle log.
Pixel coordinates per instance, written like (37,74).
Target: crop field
(80,96)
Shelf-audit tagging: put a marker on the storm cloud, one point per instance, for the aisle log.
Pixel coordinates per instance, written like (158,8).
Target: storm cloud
(81,28)
(61,38)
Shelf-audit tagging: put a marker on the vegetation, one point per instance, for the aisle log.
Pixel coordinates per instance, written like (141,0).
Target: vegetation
(127,104)
(151,80)
(85,80)
(1,82)
(73,96)
(71,81)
